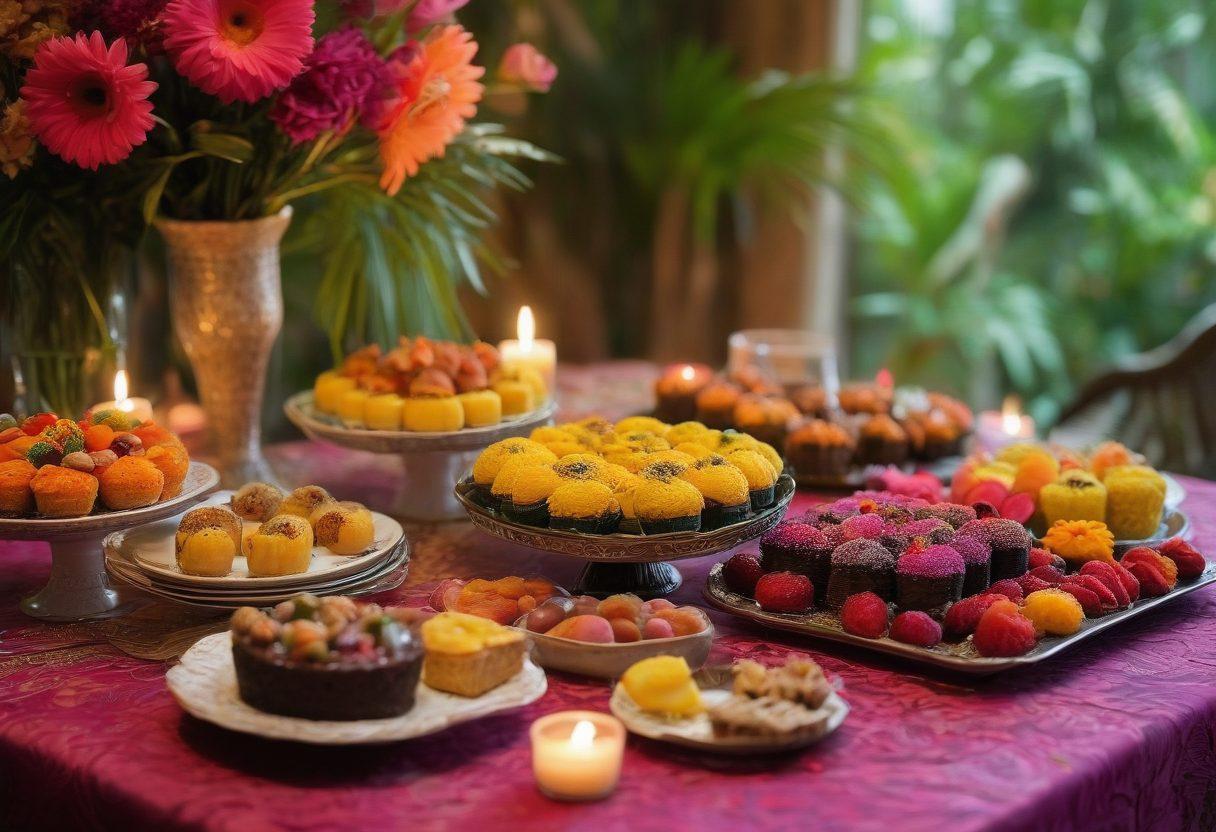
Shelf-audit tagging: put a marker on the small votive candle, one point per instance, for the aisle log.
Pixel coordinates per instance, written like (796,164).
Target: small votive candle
(676,391)
(528,351)
(997,430)
(136,407)
(576,755)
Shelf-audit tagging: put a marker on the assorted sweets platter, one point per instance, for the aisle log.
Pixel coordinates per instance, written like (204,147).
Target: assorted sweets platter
(946,585)
(336,671)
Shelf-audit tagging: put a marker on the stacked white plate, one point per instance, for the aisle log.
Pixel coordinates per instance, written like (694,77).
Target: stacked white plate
(144,557)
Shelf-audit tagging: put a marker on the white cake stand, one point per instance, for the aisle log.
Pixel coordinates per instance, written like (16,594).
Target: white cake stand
(431,463)
(78,587)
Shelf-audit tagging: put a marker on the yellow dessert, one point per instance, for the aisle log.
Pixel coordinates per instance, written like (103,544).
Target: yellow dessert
(383,412)
(1080,540)
(584,506)
(468,655)
(207,552)
(328,389)
(663,685)
(209,517)
(1135,496)
(344,528)
(533,483)
(517,397)
(770,454)
(724,487)
(679,459)
(16,495)
(761,476)
(695,450)
(490,461)
(665,503)
(530,377)
(304,501)
(257,501)
(432,415)
(350,407)
(1076,495)
(282,546)
(481,408)
(130,482)
(694,432)
(581,466)
(642,424)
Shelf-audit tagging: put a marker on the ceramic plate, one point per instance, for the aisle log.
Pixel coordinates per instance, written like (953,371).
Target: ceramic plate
(204,684)
(697,732)
(151,547)
(610,661)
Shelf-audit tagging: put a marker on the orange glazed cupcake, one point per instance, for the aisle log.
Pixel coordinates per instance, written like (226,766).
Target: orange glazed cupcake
(172,461)
(716,404)
(766,419)
(16,496)
(131,482)
(882,442)
(63,492)
(819,449)
(811,400)
(864,398)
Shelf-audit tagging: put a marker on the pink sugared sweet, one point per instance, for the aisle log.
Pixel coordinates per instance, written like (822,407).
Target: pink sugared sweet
(589,628)
(657,628)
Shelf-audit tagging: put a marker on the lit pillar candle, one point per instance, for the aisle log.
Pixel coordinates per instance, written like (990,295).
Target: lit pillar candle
(528,351)
(576,755)
(676,391)
(135,407)
(996,430)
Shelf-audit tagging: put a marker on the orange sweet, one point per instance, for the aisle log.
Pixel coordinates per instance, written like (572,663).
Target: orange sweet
(503,600)
(171,461)
(620,606)
(1035,470)
(98,437)
(16,496)
(1108,455)
(131,482)
(63,492)
(22,444)
(684,621)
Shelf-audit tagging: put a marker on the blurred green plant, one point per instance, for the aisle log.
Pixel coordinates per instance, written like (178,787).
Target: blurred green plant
(1107,104)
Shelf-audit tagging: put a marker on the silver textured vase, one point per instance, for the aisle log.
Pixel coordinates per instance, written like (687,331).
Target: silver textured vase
(227,307)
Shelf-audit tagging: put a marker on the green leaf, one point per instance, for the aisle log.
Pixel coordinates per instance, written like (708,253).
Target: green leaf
(224,146)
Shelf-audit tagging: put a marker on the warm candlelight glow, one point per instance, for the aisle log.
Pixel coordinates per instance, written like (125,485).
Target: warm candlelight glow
(687,372)
(1011,415)
(884,378)
(583,735)
(139,408)
(576,755)
(121,388)
(526,328)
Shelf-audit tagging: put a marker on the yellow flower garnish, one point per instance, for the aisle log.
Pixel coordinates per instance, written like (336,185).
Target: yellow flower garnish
(1080,540)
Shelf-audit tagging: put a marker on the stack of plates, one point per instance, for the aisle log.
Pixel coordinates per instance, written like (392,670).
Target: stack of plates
(144,557)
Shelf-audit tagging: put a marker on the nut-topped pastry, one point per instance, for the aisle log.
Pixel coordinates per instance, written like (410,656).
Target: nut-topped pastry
(345,528)
(207,540)
(257,501)
(799,680)
(304,501)
(282,546)
(328,658)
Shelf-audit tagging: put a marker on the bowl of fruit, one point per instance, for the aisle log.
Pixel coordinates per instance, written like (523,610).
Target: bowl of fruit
(603,638)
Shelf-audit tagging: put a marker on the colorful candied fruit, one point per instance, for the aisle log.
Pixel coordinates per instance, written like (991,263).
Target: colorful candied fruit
(1053,612)
(1003,631)
(663,685)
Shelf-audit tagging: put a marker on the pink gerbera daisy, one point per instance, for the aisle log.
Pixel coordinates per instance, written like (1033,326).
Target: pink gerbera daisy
(84,103)
(238,49)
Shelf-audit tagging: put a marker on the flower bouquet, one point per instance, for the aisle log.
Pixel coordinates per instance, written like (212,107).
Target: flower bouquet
(118,113)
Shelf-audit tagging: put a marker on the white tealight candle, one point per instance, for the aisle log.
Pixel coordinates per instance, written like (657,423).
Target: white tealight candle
(997,430)
(528,350)
(576,755)
(135,407)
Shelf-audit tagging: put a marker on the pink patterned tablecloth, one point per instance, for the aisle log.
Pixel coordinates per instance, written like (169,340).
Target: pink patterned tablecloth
(1118,734)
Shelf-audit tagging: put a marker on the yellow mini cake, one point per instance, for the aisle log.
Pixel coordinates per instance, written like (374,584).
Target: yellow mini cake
(663,685)
(732,441)
(678,458)
(350,407)
(725,489)
(613,475)
(257,501)
(383,412)
(582,466)
(490,461)
(665,503)
(304,501)
(761,478)
(344,528)
(481,408)
(695,450)
(432,415)
(770,453)
(207,540)
(531,488)
(328,390)
(546,434)
(689,432)
(517,397)
(530,377)
(1135,496)
(584,506)
(642,424)
(209,517)
(468,655)
(282,546)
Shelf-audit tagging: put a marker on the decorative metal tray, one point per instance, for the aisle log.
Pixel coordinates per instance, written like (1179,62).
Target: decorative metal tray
(961,656)
(629,548)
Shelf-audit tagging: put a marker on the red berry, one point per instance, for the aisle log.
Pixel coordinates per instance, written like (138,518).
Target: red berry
(865,615)
(36,424)
(1094,584)
(1003,631)
(1188,560)
(1105,572)
(1049,574)
(916,627)
(962,616)
(1153,583)
(1040,557)
(784,592)
(1029,583)
(1009,588)
(742,572)
(1090,604)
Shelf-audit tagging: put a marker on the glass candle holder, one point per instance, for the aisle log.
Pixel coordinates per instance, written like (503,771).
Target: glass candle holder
(787,357)
(576,755)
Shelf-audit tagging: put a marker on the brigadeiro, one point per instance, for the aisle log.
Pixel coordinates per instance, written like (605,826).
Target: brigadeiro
(860,566)
(1010,543)
(977,558)
(929,579)
(791,546)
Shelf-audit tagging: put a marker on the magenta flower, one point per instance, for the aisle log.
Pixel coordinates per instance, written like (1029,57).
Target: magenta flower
(333,89)
(524,65)
(363,9)
(136,21)
(427,12)
(84,103)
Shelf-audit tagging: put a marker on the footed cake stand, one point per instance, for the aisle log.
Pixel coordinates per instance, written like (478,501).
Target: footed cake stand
(636,563)
(78,587)
(430,462)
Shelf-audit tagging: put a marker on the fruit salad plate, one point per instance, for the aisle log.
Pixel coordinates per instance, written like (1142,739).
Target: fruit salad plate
(204,684)
(957,656)
(697,732)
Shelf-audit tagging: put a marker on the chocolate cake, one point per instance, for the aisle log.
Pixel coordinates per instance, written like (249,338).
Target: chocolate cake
(860,566)
(929,579)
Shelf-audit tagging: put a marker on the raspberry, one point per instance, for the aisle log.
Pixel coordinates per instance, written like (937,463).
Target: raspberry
(1029,583)
(962,617)
(1148,557)
(1093,584)
(1003,631)
(742,572)
(1009,588)
(1054,612)
(1050,574)
(1088,599)
(1189,562)
(1105,572)
(865,615)
(784,592)
(1041,557)
(916,627)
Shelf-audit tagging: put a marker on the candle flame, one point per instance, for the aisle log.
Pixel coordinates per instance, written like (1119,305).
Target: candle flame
(1011,415)
(121,386)
(583,734)
(884,378)
(687,372)
(526,328)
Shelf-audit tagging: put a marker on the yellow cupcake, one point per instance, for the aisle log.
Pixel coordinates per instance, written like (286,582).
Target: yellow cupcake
(694,450)
(481,408)
(770,453)
(534,482)
(1135,497)
(724,487)
(688,432)
(344,528)
(733,440)
(642,424)
(666,504)
(546,434)
(761,476)
(350,407)
(584,506)
(383,412)
(257,501)
(433,415)
(209,517)
(613,475)
(207,552)
(490,461)
(1076,495)
(304,501)
(580,467)
(517,397)
(328,390)
(282,546)
(677,458)
(530,377)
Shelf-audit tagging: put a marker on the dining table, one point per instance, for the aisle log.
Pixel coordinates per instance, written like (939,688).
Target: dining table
(1117,733)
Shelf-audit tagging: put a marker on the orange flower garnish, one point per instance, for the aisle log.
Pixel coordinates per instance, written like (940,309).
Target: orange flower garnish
(1081,540)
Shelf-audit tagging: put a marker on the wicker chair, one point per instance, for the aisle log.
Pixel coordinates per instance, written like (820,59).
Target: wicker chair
(1161,402)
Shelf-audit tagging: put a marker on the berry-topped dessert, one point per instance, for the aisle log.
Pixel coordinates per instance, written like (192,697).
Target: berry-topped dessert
(326,658)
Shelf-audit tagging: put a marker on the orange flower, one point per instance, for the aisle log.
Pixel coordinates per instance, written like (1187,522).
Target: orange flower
(1080,540)
(438,92)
